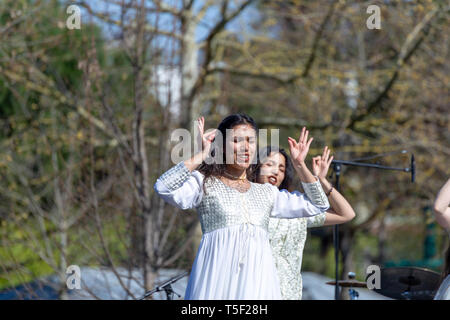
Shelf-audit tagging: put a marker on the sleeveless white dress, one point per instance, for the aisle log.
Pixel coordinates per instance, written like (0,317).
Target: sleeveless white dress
(234,260)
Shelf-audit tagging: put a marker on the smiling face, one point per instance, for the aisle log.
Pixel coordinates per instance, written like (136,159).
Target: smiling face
(273,169)
(241,146)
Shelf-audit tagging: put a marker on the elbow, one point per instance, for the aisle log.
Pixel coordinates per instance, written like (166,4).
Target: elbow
(345,215)
(324,209)
(158,187)
(349,216)
(352,215)
(438,210)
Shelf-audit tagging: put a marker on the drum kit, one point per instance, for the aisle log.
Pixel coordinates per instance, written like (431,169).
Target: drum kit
(401,283)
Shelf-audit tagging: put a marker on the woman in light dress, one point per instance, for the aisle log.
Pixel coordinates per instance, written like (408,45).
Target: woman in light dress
(288,236)
(442,214)
(234,259)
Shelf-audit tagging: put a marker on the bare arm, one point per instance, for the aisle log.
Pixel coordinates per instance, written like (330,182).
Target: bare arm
(341,211)
(441,206)
(195,161)
(303,173)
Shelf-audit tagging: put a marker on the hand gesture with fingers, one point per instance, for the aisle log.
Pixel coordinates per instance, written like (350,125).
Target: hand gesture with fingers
(321,164)
(300,149)
(207,139)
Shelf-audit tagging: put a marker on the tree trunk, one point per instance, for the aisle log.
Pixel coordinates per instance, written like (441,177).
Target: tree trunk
(189,67)
(141,176)
(189,75)
(60,218)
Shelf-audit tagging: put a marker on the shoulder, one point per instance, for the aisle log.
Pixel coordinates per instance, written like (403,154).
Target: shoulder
(197,174)
(265,188)
(212,184)
(196,177)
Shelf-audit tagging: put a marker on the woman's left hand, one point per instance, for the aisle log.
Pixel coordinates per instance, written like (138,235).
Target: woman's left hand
(321,164)
(300,149)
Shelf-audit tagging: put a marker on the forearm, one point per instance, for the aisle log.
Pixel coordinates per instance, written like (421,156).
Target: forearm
(443,218)
(194,162)
(441,206)
(338,203)
(443,199)
(303,173)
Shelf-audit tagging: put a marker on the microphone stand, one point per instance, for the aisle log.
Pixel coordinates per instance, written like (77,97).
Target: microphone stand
(337,166)
(167,287)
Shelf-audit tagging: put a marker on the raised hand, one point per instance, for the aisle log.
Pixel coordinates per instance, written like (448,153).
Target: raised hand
(207,138)
(321,164)
(300,149)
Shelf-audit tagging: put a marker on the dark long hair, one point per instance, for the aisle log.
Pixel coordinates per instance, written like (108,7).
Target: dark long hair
(265,152)
(218,169)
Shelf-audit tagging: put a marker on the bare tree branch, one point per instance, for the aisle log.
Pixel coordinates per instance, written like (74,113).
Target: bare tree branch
(406,52)
(118,23)
(208,54)
(317,38)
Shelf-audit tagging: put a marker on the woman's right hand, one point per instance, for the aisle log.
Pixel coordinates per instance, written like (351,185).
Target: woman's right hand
(299,149)
(207,139)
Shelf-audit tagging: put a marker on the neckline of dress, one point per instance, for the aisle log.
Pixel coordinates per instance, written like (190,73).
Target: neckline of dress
(251,186)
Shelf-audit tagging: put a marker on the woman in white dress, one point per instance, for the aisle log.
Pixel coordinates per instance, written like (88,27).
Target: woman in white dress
(442,214)
(287,236)
(234,259)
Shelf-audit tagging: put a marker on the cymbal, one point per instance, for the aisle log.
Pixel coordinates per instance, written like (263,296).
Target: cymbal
(349,283)
(408,283)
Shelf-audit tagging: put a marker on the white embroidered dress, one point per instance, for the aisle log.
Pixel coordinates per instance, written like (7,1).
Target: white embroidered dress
(443,292)
(287,238)
(234,259)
